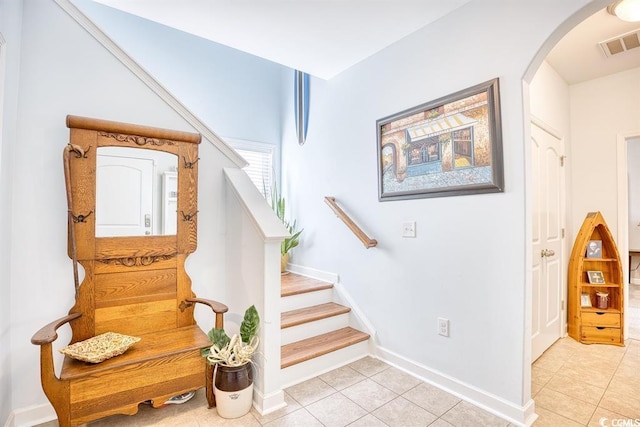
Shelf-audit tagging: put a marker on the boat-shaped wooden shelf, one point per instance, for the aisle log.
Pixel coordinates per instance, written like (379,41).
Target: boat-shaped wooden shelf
(596,291)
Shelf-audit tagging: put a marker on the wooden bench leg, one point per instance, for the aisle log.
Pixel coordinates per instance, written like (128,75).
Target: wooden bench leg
(211,399)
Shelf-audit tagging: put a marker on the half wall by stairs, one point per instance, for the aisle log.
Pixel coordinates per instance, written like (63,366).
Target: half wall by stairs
(317,333)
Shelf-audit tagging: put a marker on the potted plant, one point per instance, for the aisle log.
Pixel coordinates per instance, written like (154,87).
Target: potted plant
(233,374)
(278,206)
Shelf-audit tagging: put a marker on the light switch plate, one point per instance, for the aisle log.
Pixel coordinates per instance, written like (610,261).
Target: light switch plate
(409,229)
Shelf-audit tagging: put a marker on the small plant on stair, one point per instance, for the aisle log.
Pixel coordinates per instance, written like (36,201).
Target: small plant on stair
(278,205)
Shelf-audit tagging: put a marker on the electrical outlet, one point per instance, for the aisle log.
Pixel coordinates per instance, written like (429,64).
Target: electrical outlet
(409,229)
(443,327)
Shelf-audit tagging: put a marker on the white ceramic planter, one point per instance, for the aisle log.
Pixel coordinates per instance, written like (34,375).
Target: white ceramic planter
(233,404)
(233,390)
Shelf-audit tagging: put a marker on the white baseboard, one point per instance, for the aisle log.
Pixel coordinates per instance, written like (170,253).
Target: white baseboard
(518,415)
(268,404)
(530,415)
(31,416)
(325,276)
(10,421)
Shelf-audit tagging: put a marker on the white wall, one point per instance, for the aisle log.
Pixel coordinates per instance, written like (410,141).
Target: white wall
(469,260)
(633,168)
(10,23)
(549,102)
(63,70)
(600,110)
(549,99)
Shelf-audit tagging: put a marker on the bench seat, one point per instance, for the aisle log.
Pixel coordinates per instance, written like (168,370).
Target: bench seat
(161,365)
(147,351)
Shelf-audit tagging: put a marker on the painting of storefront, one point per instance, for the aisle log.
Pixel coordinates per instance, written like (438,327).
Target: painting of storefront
(444,146)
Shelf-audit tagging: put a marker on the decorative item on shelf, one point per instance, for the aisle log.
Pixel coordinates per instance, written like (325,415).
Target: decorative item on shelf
(595,277)
(233,374)
(585,300)
(594,249)
(278,205)
(602,300)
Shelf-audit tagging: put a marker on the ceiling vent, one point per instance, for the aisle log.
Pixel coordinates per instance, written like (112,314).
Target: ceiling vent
(621,43)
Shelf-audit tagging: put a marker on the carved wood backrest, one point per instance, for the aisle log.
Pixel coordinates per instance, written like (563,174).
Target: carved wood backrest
(132,285)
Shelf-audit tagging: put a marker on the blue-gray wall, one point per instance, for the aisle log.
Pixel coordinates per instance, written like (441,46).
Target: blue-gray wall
(236,94)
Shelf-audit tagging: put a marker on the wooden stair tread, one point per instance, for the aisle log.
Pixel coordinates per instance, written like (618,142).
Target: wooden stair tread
(310,348)
(294,284)
(155,345)
(311,314)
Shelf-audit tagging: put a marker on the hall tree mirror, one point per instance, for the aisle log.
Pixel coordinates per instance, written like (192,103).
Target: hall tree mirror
(133,285)
(136,192)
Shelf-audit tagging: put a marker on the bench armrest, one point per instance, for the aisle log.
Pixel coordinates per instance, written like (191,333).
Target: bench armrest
(218,308)
(48,333)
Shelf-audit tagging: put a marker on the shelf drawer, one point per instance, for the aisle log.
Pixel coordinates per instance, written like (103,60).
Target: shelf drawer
(594,334)
(601,319)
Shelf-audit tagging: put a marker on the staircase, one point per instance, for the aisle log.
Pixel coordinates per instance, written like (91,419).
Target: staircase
(316,331)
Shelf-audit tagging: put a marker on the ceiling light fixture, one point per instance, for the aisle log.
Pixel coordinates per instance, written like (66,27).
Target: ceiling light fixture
(627,10)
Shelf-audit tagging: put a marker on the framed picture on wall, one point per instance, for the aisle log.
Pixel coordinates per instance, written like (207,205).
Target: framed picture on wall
(447,147)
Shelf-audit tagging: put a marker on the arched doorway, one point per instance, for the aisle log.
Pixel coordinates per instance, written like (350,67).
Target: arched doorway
(576,209)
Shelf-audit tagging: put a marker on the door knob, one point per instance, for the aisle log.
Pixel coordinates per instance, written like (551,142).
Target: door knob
(547,253)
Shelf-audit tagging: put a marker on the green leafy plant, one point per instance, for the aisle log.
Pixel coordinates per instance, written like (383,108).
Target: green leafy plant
(237,350)
(278,205)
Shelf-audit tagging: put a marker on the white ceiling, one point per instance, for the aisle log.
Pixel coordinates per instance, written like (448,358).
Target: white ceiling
(325,37)
(320,37)
(578,56)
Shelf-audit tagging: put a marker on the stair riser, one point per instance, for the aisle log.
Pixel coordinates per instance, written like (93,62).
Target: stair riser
(311,368)
(311,329)
(308,299)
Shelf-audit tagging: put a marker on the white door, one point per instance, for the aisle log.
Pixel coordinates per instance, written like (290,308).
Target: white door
(124,196)
(548,220)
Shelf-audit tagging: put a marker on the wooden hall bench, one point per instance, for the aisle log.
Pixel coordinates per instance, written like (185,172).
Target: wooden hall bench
(133,284)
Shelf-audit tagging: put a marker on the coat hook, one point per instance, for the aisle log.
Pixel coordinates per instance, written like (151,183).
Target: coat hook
(184,305)
(78,151)
(80,218)
(188,164)
(189,217)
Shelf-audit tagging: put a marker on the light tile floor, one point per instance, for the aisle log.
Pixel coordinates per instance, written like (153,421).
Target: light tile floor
(572,384)
(366,393)
(576,385)
(633,313)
